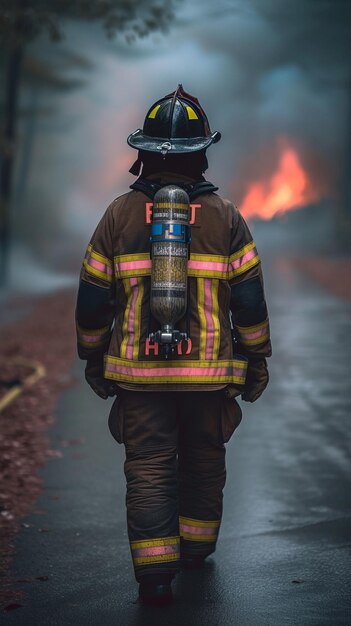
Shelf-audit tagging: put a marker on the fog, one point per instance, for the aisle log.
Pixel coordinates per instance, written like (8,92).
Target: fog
(264,71)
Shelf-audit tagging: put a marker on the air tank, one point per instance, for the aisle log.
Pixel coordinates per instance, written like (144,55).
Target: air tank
(170,240)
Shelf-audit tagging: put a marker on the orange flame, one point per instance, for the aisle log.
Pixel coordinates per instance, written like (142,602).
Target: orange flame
(288,188)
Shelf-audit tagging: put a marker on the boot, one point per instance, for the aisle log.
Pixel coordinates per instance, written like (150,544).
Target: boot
(156,590)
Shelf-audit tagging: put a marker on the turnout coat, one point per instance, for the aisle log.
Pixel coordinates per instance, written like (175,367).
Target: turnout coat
(225,295)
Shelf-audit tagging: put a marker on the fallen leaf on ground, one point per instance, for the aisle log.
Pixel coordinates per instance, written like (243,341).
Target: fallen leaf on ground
(10,607)
(297,580)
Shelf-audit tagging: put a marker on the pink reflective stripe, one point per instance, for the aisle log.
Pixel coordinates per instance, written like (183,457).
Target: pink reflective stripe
(175,371)
(256,334)
(209,320)
(131,318)
(251,254)
(98,265)
(124,266)
(212,266)
(92,338)
(238,371)
(156,550)
(198,530)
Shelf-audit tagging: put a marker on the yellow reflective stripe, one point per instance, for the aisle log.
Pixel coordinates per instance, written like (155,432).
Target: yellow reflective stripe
(190,371)
(186,523)
(251,329)
(197,537)
(245,333)
(254,342)
(132,378)
(160,558)
(142,550)
(129,265)
(200,273)
(134,272)
(216,258)
(245,267)
(208,266)
(170,205)
(137,318)
(87,254)
(88,344)
(215,317)
(122,258)
(241,261)
(100,257)
(202,317)
(95,272)
(151,543)
(242,251)
(186,363)
(128,292)
(189,521)
(93,332)
(96,255)
(101,334)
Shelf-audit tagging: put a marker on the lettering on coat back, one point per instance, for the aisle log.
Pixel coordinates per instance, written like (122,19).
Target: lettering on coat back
(154,347)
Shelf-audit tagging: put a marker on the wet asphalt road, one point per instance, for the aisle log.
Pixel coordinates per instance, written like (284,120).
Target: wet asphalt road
(283,556)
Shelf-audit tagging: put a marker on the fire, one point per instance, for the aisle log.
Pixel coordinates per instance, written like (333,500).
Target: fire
(288,188)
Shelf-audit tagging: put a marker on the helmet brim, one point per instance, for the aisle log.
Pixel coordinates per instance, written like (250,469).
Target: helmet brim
(139,141)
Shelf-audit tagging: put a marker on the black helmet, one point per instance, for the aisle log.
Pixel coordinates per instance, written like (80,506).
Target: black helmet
(174,124)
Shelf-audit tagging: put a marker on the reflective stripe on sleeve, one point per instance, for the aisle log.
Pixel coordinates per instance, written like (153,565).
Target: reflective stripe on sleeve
(98,265)
(92,338)
(242,260)
(253,335)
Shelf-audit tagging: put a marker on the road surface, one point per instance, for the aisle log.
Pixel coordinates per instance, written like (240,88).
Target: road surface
(283,556)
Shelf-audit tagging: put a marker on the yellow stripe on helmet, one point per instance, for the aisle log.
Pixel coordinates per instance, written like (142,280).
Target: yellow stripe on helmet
(154,111)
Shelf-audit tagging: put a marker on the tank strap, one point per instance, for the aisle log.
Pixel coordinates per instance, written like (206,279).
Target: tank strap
(149,188)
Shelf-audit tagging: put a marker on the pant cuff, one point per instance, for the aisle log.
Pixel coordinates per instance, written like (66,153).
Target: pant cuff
(158,555)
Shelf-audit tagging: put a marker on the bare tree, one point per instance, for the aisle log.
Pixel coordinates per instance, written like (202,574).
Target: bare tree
(21,21)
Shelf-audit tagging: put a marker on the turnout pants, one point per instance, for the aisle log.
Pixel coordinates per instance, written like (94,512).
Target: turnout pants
(175,472)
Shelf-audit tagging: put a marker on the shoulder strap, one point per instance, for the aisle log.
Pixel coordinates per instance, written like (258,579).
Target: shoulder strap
(149,188)
(196,189)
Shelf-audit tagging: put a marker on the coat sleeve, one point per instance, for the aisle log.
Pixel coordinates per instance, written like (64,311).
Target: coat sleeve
(95,308)
(247,304)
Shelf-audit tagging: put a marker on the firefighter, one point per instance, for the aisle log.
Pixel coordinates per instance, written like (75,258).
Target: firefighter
(175,408)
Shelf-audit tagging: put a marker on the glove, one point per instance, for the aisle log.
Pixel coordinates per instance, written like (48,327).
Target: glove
(94,375)
(256,380)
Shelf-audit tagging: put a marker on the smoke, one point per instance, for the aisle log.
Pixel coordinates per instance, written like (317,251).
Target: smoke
(261,69)
(285,69)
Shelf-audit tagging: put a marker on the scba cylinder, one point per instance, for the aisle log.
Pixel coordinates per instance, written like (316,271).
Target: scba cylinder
(170,239)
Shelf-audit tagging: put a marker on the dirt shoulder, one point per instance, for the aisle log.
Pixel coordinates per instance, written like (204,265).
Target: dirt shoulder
(38,349)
